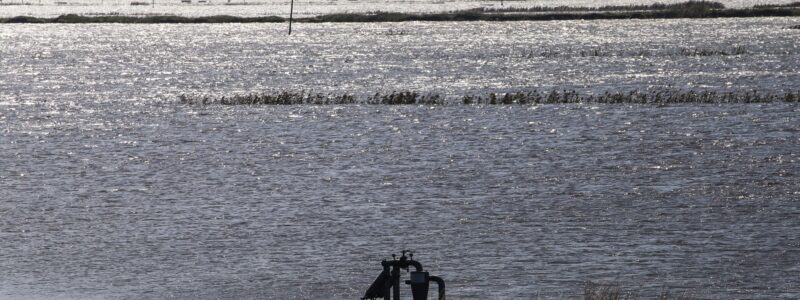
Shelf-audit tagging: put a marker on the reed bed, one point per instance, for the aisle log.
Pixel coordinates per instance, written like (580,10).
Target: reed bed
(689,5)
(474,15)
(793,4)
(72,18)
(303,98)
(594,291)
(738,50)
(534,97)
(602,52)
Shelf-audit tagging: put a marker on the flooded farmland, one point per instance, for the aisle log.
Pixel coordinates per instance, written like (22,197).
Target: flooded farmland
(113,189)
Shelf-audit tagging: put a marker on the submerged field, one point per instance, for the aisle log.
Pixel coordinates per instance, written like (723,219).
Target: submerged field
(115,184)
(140,63)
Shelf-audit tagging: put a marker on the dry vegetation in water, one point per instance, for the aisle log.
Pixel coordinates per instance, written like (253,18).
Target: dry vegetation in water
(793,4)
(684,6)
(603,52)
(594,291)
(534,97)
(71,18)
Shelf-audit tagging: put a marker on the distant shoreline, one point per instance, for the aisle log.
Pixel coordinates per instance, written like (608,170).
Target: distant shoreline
(457,16)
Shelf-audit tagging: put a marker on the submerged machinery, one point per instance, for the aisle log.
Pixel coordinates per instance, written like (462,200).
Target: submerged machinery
(387,285)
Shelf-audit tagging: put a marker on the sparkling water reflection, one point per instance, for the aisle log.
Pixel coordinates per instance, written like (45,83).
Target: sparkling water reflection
(158,62)
(236,202)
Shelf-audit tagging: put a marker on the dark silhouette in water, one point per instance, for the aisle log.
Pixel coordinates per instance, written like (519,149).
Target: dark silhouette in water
(390,280)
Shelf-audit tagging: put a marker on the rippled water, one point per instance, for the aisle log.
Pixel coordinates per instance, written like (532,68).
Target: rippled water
(113,190)
(121,62)
(149,202)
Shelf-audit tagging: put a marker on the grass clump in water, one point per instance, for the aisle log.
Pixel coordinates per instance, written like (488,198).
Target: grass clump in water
(793,4)
(738,50)
(24,19)
(689,5)
(303,98)
(603,52)
(534,97)
(111,18)
(594,291)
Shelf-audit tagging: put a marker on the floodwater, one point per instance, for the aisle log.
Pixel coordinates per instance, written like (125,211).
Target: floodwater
(158,62)
(111,189)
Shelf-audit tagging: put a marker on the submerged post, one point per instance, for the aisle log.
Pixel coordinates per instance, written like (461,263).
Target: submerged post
(291,11)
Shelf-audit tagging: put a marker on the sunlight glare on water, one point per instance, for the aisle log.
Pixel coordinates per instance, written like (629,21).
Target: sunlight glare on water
(158,62)
(277,202)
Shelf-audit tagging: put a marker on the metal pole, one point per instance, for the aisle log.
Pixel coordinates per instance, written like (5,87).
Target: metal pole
(396,283)
(387,295)
(291,11)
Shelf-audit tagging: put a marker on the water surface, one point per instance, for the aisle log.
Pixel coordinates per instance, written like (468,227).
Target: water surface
(113,190)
